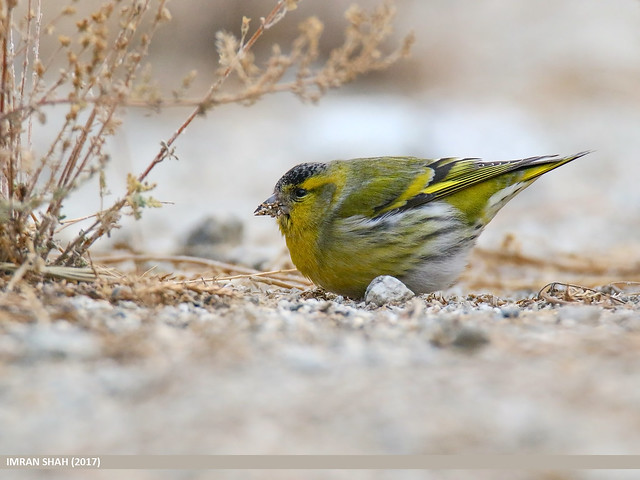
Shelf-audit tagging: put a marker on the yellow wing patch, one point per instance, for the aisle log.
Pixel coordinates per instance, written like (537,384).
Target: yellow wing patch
(467,174)
(415,188)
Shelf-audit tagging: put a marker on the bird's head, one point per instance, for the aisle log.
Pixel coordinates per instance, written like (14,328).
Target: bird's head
(302,197)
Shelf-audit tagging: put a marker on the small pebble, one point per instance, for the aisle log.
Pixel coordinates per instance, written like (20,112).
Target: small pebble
(470,338)
(510,311)
(214,237)
(120,293)
(123,320)
(386,289)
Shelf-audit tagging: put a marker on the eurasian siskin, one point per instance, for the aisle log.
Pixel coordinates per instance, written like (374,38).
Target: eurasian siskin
(348,221)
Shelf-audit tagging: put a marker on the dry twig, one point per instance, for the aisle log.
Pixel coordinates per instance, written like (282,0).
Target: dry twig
(568,294)
(281,278)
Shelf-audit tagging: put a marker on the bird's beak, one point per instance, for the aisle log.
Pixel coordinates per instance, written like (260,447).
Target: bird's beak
(271,206)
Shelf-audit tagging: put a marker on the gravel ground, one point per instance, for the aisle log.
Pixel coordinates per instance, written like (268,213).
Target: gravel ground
(274,371)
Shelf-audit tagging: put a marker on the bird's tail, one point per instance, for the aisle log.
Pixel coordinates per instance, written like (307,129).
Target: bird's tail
(535,166)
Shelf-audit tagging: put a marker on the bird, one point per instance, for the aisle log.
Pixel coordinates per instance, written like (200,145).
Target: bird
(346,222)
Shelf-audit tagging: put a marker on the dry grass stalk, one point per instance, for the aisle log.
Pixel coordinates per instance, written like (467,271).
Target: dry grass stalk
(568,294)
(78,274)
(224,272)
(102,59)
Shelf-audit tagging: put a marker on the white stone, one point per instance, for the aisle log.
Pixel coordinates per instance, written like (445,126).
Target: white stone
(386,289)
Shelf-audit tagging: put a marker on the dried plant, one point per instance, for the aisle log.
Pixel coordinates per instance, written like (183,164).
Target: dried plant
(103,72)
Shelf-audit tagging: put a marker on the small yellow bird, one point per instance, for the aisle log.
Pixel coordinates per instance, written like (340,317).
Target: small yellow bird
(348,221)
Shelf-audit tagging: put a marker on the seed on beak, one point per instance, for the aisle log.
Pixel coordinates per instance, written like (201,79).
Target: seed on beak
(271,206)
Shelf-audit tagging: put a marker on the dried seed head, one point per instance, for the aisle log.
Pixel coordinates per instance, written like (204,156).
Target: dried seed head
(188,80)
(98,17)
(244,29)
(39,68)
(83,25)
(73,112)
(164,15)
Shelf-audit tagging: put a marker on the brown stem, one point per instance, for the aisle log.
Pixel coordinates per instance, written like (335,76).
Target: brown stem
(5,58)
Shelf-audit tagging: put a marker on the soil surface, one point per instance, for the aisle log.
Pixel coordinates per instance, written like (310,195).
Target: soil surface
(153,365)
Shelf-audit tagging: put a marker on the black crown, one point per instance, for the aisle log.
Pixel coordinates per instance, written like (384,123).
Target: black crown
(300,173)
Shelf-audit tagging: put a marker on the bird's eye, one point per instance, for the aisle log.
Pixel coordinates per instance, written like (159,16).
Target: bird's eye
(299,193)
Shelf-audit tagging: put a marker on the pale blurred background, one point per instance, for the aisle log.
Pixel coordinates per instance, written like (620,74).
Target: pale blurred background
(496,79)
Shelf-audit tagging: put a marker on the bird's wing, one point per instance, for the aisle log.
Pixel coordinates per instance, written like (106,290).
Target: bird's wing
(452,175)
